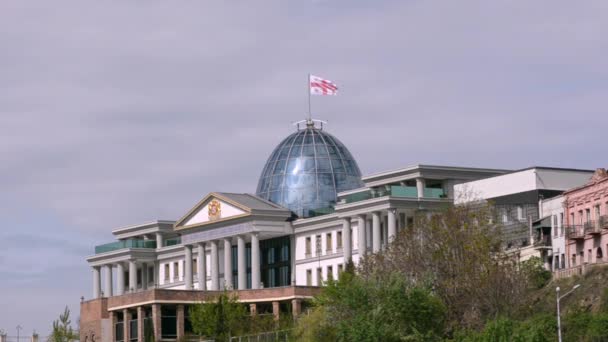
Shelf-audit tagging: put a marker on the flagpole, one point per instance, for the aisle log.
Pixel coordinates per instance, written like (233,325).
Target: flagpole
(308,87)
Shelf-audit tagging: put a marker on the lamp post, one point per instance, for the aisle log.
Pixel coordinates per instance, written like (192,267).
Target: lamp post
(559,327)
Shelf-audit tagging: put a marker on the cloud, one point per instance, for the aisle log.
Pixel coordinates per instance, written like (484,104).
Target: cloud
(113,113)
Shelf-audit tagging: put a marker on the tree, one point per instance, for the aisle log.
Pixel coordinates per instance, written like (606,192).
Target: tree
(358,309)
(219,319)
(459,252)
(62,329)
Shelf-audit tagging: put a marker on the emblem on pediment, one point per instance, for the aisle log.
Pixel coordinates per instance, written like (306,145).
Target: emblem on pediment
(599,175)
(215,210)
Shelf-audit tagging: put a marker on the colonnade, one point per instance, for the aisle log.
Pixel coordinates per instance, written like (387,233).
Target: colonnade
(362,234)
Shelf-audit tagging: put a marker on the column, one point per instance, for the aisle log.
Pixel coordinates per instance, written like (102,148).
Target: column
(346,247)
(215,267)
(255,261)
(112,316)
(276,310)
(108,281)
(241,263)
(362,236)
(144,276)
(159,240)
(125,327)
(96,282)
(180,321)
(140,323)
(120,279)
(292,258)
(132,276)
(156,274)
(188,267)
(420,187)
(376,242)
(201,266)
(392,224)
(156,322)
(253,309)
(296,307)
(227,264)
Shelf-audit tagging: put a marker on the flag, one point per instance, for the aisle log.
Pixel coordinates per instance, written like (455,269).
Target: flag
(320,86)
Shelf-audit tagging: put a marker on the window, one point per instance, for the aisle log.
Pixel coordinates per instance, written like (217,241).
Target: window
(555,225)
(339,240)
(194,266)
(597,212)
(308,277)
(580,217)
(563,265)
(330,272)
(589,256)
(340,269)
(556,263)
(328,243)
(318,245)
(175,271)
(520,212)
(167,273)
(151,274)
(319,276)
(308,247)
(572,218)
(573,260)
(587,215)
(561,226)
(505,216)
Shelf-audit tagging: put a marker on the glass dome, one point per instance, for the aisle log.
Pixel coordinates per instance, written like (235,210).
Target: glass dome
(306,171)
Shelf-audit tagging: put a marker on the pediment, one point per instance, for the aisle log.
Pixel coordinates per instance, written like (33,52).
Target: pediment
(213,208)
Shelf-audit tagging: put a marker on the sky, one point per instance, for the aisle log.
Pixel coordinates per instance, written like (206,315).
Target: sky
(121,112)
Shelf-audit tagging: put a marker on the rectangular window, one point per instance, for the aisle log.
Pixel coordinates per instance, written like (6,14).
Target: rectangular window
(520,212)
(572,218)
(328,243)
(151,275)
(554,224)
(573,260)
(175,271)
(167,273)
(597,212)
(340,269)
(561,226)
(308,277)
(194,266)
(339,239)
(589,256)
(581,219)
(587,215)
(308,246)
(563,261)
(330,272)
(319,276)
(318,245)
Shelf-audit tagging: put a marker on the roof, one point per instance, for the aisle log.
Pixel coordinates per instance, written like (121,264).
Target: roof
(251,201)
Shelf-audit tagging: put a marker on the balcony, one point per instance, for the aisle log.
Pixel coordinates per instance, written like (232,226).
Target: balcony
(395,191)
(543,242)
(122,244)
(592,227)
(603,221)
(575,232)
(173,241)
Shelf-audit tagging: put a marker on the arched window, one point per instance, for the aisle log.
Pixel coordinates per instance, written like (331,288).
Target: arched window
(599,255)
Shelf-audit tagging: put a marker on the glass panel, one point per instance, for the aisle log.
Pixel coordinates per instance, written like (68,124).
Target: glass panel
(323,165)
(308,151)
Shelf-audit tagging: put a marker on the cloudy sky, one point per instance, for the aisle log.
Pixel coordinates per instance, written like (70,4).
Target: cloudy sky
(120,112)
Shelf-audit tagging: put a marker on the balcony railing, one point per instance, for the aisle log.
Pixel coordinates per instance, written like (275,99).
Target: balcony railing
(545,241)
(173,241)
(603,221)
(592,227)
(574,231)
(122,244)
(395,191)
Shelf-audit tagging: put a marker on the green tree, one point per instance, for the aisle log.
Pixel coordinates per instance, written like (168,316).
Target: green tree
(535,271)
(358,309)
(220,319)
(62,329)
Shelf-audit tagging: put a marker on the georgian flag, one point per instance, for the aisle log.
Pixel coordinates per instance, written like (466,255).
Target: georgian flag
(320,86)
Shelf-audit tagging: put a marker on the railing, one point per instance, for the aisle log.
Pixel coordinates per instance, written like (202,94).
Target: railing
(578,270)
(592,227)
(603,221)
(273,336)
(575,231)
(122,244)
(173,241)
(321,211)
(395,191)
(545,241)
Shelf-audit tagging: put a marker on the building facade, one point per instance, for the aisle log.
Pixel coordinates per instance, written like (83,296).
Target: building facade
(586,212)
(312,213)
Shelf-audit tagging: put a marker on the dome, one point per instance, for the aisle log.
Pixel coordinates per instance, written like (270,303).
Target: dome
(306,171)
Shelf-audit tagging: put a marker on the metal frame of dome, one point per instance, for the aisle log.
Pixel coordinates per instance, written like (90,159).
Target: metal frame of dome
(306,170)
